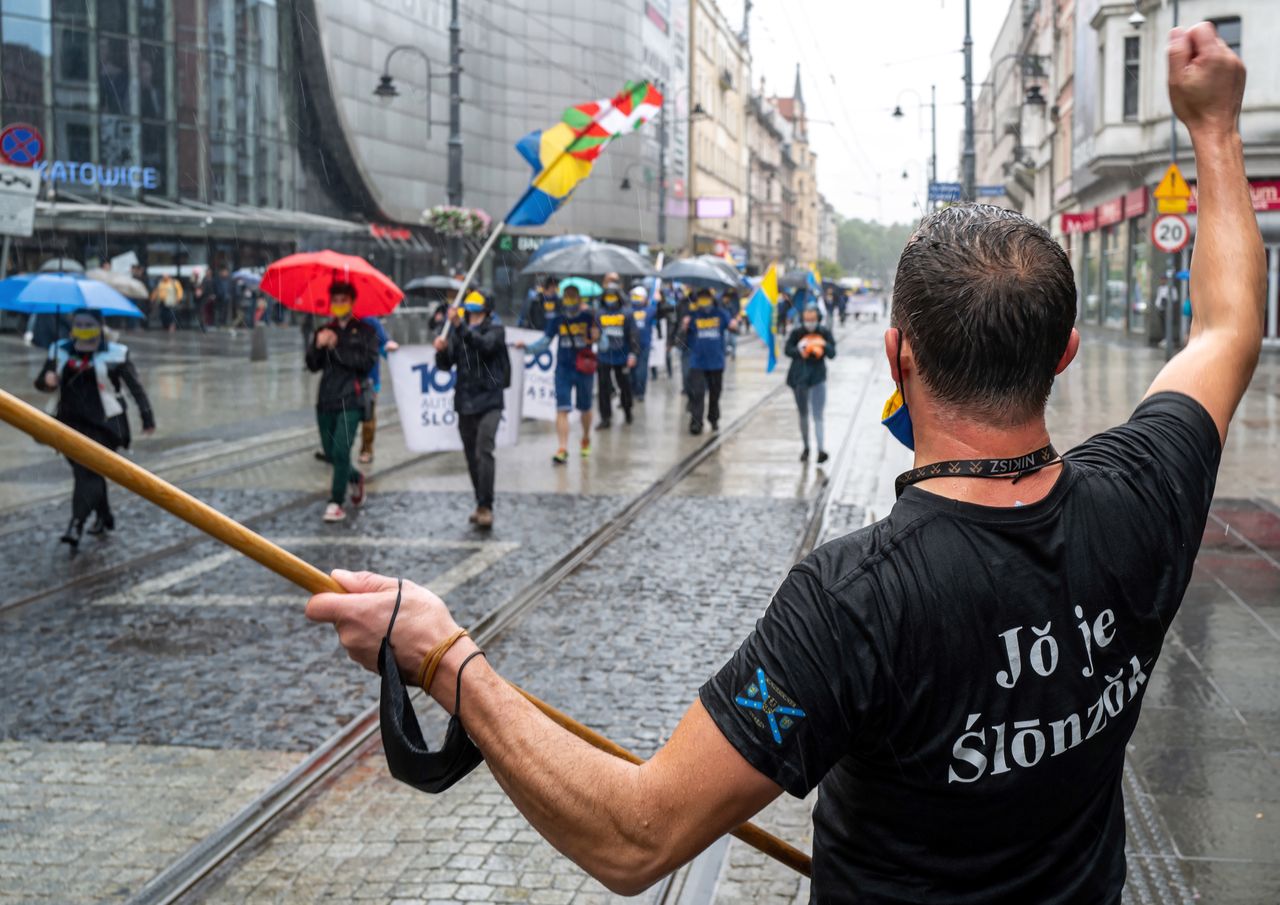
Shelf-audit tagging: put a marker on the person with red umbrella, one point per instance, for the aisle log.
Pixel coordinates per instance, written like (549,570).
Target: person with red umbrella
(343,350)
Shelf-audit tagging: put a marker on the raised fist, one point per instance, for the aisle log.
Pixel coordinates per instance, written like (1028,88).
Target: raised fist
(1206,80)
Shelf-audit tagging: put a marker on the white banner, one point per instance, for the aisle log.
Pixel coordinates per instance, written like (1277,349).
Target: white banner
(424,399)
(18,189)
(539,391)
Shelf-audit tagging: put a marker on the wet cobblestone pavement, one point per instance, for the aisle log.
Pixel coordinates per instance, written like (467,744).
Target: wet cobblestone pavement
(652,611)
(142,710)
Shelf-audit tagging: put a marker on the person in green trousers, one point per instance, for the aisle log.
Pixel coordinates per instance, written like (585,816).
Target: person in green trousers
(343,351)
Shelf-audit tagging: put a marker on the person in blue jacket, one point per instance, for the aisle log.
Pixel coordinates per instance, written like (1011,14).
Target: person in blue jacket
(575,330)
(369,427)
(705,327)
(619,348)
(645,314)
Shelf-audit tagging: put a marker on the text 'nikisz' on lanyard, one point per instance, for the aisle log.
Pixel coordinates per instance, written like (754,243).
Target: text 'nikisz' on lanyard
(1013,468)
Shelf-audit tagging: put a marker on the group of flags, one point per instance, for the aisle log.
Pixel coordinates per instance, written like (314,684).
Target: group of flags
(563,155)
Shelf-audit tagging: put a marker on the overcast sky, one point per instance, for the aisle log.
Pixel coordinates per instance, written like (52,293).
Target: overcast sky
(858,59)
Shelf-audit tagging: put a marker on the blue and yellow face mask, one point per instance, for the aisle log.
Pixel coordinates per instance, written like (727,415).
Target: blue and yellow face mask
(896,416)
(473,303)
(85,334)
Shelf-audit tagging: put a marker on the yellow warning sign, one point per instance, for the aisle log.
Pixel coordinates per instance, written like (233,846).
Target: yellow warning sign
(1172,193)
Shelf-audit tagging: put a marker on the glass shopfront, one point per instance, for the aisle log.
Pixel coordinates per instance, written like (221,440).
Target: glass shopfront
(164,98)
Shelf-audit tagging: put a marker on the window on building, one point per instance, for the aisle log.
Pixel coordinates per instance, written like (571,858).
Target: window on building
(1132,47)
(1229,31)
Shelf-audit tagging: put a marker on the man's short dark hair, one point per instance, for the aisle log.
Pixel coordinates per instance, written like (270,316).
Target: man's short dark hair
(337,287)
(987,300)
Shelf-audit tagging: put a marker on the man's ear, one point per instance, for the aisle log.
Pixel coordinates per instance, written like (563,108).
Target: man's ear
(1073,346)
(892,339)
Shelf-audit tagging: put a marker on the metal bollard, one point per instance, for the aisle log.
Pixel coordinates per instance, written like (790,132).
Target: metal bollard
(258,346)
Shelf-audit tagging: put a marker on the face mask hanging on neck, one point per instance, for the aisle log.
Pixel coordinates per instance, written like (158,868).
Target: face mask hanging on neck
(895,416)
(408,757)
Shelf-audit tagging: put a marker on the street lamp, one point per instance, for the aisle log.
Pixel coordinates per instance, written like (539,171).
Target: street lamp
(696,113)
(387,91)
(933,121)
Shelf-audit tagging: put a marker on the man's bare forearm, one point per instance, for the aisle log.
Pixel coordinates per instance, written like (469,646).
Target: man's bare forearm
(588,804)
(1228,266)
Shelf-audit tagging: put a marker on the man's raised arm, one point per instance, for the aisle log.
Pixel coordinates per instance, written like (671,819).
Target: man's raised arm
(1228,266)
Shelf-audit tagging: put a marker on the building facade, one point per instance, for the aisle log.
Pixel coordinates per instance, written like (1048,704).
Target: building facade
(801,207)
(1087,166)
(720,73)
(766,148)
(235,131)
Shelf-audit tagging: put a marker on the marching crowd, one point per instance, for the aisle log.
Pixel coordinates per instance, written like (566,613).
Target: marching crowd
(603,353)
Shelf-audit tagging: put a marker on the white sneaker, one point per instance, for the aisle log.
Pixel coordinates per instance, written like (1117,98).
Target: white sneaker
(333,513)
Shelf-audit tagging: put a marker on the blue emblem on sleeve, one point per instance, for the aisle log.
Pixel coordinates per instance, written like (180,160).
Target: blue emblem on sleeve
(773,708)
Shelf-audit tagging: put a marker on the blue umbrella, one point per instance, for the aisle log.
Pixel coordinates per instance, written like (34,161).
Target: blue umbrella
(586,288)
(555,243)
(248,277)
(61,293)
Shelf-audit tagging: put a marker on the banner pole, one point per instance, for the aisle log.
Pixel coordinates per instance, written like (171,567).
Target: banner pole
(471,272)
(110,464)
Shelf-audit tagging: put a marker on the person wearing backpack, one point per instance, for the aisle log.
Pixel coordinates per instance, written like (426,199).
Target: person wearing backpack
(477,347)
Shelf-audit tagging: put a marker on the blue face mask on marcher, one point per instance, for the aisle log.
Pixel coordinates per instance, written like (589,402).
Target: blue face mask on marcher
(895,416)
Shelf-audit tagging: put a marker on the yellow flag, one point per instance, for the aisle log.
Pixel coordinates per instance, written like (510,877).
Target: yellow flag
(769,284)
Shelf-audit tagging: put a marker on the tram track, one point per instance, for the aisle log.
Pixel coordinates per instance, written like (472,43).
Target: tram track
(274,808)
(181,545)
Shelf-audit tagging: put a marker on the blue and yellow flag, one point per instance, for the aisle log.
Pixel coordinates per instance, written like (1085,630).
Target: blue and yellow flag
(761,311)
(562,156)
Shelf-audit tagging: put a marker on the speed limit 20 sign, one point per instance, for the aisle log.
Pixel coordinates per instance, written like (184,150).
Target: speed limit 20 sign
(1170,233)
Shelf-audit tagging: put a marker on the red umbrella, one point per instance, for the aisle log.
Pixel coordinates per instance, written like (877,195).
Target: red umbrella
(302,281)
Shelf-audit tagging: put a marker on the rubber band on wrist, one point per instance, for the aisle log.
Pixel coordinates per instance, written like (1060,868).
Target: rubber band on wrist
(431,662)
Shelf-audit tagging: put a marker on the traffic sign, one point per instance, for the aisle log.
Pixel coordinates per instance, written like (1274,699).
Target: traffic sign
(944,191)
(18,189)
(1172,193)
(991,191)
(21,145)
(1170,233)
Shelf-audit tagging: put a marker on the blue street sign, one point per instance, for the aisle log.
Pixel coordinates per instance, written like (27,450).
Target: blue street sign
(944,191)
(990,191)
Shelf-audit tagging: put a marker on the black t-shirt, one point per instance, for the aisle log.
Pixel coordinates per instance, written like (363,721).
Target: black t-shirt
(960,681)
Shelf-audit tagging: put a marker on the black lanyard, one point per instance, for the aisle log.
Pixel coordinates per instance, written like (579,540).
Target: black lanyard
(1014,468)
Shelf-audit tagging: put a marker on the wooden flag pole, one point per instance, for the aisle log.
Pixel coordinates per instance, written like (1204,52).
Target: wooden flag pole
(471,273)
(109,464)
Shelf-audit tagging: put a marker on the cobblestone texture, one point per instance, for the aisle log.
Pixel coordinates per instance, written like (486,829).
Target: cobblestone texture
(144,662)
(78,824)
(140,528)
(621,623)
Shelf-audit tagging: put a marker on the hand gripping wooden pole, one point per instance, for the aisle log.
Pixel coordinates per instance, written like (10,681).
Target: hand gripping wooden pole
(109,464)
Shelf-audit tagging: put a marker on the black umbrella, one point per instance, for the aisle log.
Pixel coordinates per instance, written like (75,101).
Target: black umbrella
(433,283)
(794,279)
(592,259)
(728,268)
(700,273)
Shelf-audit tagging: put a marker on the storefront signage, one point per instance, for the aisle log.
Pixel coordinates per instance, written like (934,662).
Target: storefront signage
(382,231)
(713,208)
(91,174)
(1085,222)
(1265,194)
(21,144)
(1135,203)
(1111,212)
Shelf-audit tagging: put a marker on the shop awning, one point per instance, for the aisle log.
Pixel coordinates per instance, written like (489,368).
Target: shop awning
(189,219)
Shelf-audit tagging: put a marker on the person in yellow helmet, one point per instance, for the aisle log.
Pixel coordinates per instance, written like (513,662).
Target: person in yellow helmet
(477,346)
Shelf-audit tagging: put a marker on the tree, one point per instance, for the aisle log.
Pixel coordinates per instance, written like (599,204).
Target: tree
(829,270)
(871,250)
